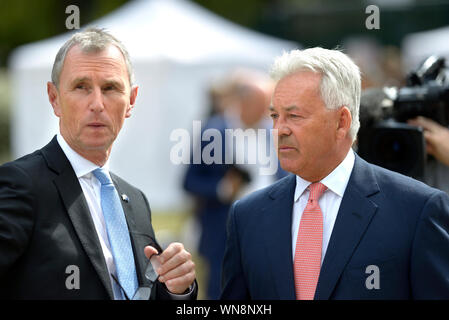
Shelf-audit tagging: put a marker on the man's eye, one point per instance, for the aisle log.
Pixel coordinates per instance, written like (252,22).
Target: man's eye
(110,88)
(80,86)
(274,116)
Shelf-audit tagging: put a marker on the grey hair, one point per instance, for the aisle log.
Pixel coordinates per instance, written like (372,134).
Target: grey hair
(340,83)
(90,40)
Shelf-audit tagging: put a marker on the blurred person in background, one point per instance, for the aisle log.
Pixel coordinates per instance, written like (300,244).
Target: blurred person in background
(70,228)
(437,138)
(437,145)
(240,100)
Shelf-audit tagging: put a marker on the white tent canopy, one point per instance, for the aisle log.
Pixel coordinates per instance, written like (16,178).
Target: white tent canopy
(176,48)
(418,46)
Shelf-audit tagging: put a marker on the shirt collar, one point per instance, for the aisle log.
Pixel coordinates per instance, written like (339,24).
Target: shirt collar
(80,165)
(336,181)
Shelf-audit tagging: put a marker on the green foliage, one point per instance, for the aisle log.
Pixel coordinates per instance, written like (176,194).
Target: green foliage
(24,21)
(245,13)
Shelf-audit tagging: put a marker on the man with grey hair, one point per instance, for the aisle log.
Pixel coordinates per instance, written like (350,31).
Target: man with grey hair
(70,228)
(338,227)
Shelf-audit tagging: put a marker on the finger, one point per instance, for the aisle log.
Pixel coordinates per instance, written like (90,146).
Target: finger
(179,271)
(149,251)
(172,249)
(175,261)
(430,137)
(425,123)
(415,122)
(179,285)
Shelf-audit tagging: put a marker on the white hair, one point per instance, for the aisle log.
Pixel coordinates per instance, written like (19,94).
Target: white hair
(340,77)
(90,40)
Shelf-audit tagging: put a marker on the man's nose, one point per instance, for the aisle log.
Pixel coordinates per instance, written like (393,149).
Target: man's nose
(282,127)
(96,103)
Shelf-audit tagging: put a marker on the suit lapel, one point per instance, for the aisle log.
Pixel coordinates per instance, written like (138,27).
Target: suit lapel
(354,216)
(276,222)
(77,209)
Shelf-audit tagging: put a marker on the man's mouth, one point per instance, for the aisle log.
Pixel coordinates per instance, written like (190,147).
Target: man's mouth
(96,125)
(285,148)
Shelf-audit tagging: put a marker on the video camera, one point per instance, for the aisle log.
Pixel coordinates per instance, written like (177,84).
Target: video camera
(385,138)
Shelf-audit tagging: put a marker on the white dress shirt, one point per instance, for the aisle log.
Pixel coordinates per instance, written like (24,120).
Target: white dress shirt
(329,202)
(91,188)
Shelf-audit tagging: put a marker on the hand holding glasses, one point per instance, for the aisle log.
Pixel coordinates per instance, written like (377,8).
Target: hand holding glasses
(144,293)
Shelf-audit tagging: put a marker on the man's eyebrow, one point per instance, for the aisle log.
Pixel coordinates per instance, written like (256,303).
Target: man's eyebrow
(114,82)
(289,108)
(80,79)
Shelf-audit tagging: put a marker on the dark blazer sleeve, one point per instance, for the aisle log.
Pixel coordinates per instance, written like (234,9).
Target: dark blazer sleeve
(233,281)
(16,215)
(430,254)
(202,179)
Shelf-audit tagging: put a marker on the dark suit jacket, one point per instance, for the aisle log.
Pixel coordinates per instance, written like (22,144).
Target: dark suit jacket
(385,219)
(46,226)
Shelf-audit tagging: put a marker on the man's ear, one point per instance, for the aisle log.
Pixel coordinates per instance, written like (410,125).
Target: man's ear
(53,97)
(132,100)
(344,122)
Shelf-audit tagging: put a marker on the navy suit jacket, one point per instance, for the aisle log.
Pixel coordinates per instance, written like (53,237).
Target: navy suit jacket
(385,219)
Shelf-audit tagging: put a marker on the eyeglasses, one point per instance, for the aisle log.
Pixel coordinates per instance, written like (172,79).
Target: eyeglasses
(142,293)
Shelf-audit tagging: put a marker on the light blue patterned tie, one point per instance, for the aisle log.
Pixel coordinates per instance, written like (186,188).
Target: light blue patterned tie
(118,233)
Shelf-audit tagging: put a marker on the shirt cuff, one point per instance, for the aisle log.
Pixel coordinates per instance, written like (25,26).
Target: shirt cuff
(183,296)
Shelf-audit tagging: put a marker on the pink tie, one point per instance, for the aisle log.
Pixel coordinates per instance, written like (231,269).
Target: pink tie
(308,245)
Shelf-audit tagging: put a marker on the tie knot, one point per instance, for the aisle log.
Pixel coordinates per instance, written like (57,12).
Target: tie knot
(102,176)
(316,190)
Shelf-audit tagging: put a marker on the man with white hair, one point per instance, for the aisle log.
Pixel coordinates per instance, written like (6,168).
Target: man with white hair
(338,227)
